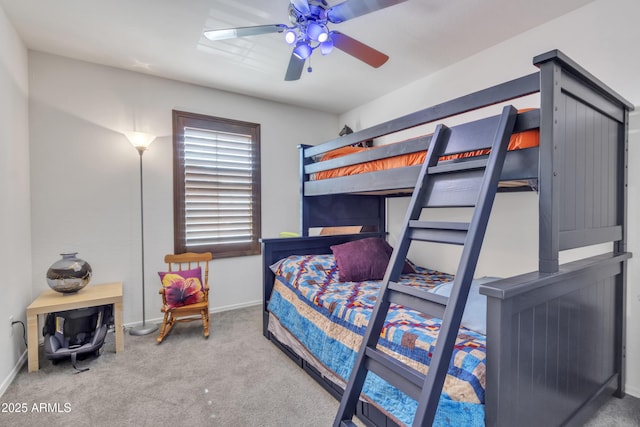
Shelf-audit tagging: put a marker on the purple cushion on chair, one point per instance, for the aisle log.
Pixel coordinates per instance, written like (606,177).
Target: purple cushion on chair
(182,287)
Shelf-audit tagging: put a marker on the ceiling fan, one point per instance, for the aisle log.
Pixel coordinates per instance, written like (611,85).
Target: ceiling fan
(309,30)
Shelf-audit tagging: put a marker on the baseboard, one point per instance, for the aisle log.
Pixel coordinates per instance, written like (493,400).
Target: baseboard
(633,391)
(236,306)
(158,320)
(14,372)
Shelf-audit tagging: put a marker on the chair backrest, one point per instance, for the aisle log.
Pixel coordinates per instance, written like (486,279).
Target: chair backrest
(188,261)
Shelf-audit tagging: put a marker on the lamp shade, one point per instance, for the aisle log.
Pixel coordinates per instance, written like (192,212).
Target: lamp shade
(317,32)
(302,50)
(326,46)
(140,140)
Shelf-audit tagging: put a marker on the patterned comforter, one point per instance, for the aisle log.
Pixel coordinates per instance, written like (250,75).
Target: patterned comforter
(329,318)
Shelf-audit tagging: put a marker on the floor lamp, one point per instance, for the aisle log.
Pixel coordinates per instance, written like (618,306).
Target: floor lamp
(141,142)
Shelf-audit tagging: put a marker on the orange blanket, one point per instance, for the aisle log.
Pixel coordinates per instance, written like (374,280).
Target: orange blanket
(518,141)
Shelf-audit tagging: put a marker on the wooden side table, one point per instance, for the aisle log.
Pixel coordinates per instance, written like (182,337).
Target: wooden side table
(51,301)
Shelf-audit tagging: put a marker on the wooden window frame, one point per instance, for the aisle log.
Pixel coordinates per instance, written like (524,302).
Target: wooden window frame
(182,119)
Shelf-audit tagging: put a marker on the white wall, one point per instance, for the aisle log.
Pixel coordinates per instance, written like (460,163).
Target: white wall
(602,37)
(85,183)
(15,232)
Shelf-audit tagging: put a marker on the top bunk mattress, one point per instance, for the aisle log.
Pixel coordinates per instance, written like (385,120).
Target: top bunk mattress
(518,141)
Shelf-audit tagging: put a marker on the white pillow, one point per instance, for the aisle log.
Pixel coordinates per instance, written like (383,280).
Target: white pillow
(475,312)
(276,265)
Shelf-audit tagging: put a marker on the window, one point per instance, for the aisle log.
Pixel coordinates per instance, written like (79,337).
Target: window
(216,179)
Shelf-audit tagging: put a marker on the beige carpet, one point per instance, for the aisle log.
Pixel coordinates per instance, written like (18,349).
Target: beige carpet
(234,378)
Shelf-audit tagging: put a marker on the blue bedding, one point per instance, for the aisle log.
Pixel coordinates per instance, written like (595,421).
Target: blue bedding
(329,318)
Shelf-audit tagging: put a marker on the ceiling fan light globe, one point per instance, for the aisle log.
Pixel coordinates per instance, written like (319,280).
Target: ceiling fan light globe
(326,46)
(317,32)
(302,50)
(290,37)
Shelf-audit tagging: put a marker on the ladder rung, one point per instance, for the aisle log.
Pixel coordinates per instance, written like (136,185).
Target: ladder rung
(444,225)
(458,166)
(396,373)
(417,299)
(439,232)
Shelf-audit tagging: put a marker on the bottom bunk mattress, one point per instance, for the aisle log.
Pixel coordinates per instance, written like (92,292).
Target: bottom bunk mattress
(328,318)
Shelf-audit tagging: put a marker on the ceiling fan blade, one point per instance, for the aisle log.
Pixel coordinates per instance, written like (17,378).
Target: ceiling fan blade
(358,50)
(232,33)
(301,6)
(294,70)
(350,9)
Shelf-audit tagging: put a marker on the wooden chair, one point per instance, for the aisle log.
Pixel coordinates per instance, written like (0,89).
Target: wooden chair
(186,313)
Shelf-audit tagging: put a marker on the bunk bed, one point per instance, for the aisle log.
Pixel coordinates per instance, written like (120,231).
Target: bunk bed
(554,340)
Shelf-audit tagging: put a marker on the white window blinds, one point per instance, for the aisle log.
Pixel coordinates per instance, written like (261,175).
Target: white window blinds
(218,188)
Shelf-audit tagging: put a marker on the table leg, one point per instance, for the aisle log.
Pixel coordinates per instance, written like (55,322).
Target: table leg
(32,334)
(117,308)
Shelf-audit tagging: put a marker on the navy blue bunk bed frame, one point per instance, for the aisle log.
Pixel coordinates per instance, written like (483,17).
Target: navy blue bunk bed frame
(542,366)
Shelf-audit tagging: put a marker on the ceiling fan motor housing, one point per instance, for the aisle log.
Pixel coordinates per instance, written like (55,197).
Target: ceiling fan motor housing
(311,23)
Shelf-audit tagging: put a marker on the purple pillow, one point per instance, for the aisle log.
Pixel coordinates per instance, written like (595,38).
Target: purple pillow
(360,260)
(407,268)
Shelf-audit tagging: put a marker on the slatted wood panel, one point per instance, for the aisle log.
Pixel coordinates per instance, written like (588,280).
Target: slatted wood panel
(564,356)
(589,134)
(590,149)
(562,352)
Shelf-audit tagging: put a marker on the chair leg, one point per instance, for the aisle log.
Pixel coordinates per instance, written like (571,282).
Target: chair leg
(205,322)
(167,323)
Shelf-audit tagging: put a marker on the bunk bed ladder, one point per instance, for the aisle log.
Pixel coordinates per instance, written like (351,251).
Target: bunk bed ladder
(430,191)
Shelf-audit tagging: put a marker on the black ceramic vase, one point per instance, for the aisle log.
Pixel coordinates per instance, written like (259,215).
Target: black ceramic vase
(69,274)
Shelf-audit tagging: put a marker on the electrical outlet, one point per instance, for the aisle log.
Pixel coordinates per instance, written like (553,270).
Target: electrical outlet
(11,324)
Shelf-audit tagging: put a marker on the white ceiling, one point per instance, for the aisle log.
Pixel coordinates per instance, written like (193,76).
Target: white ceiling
(164,38)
